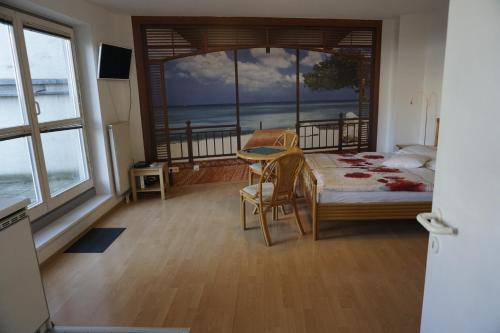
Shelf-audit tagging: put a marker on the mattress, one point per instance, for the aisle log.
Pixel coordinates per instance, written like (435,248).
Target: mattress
(330,191)
(328,196)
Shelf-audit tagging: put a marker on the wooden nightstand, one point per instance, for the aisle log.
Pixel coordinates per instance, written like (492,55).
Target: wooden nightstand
(159,169)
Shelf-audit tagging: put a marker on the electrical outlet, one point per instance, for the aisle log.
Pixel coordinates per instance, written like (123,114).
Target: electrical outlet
(196,167)
(173,169)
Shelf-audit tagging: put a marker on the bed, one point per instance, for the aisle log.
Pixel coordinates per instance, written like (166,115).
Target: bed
(359,187)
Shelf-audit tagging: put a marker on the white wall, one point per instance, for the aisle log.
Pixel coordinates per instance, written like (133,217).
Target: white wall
(462,284)
(411,78)
(388,61)
(105,102)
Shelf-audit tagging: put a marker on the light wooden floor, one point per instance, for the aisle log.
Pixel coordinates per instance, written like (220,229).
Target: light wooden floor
(185,262)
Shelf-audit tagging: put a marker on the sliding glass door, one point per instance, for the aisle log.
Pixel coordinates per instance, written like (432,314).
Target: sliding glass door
(42,135)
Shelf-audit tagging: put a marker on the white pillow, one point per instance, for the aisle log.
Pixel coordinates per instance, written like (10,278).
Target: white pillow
(429,151)
(431,164)
(406,161)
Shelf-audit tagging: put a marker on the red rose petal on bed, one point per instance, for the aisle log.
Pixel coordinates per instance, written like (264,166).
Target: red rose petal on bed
(353,161)
(381,180)
(357,175)
(406,185)
(373,157)
(384,169)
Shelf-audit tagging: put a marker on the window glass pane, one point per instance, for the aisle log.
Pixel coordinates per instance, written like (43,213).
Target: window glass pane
(329,86)
(11,112)
(52,76)
(64,159)
(201,89)
(267,84)
(17,178)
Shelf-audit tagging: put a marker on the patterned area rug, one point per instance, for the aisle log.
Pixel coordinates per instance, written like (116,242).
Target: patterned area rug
(214,171)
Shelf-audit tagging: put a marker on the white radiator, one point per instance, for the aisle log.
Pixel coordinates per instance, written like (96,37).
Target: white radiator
(119,143)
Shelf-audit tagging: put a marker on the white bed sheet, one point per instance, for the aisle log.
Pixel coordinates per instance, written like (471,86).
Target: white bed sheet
(332,196)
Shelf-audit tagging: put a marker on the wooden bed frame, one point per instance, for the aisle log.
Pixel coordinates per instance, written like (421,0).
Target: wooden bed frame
(357,211)
(354,211)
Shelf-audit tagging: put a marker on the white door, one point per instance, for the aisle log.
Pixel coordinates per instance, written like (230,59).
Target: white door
(462,284)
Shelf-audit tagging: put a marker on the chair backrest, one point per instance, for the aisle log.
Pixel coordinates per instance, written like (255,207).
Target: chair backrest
(287,139)
(283,173)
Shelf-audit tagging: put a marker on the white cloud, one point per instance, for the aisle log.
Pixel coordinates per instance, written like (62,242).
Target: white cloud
(207,68)
(253,76)
(256,76)
(312,58)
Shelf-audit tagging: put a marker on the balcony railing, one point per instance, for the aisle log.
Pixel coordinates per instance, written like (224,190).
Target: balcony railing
(334,134)
(197,142)
(190,143)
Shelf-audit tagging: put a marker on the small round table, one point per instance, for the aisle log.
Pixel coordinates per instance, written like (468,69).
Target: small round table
(262,154)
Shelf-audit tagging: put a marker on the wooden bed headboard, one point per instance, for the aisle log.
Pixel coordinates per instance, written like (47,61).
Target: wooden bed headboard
(436,137)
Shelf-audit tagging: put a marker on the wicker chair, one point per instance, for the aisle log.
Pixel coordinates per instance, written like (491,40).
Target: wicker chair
(275,188)
(287,139)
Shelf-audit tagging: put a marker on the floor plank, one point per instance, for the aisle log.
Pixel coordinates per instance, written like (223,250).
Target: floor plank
(185,262)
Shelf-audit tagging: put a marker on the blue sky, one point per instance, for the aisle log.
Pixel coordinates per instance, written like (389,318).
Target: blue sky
(209,78)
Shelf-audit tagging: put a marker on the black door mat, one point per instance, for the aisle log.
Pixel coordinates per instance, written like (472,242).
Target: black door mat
(96,240)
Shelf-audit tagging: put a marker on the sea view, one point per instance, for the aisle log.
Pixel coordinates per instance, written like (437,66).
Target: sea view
(272,115)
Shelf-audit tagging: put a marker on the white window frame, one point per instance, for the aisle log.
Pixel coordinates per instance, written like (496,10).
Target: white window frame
(47,202)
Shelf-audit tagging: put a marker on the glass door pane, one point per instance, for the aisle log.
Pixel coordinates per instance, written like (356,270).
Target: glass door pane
(11,111)
(52,76)
(200,89)
(17,172)
(267,85)
(329,87)
(64,159)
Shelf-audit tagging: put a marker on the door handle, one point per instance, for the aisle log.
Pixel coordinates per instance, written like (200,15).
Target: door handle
(433,223)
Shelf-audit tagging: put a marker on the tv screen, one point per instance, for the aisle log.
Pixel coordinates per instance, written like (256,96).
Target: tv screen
(114,62)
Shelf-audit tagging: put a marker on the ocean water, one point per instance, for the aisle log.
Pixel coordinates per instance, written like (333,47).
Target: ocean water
(272,115)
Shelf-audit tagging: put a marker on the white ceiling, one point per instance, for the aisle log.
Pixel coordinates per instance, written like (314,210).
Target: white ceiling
(354,9)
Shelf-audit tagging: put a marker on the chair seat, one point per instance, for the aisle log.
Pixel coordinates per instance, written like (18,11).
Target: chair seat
(256,168)
(253,191)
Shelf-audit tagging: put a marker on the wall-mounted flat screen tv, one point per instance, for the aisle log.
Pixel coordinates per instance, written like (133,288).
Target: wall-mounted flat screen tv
(114,62)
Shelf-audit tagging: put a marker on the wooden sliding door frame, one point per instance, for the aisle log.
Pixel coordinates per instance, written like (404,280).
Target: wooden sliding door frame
(141,22)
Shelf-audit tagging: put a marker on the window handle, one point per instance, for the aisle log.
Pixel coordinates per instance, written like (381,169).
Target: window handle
(37,108)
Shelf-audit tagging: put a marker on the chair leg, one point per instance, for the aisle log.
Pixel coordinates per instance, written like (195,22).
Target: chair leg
(250,176)
(263,226)
(275,213)
(282,207)
(243,213)
(297,218)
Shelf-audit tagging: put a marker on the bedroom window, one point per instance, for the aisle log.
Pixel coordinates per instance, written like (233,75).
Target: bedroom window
(42,131)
